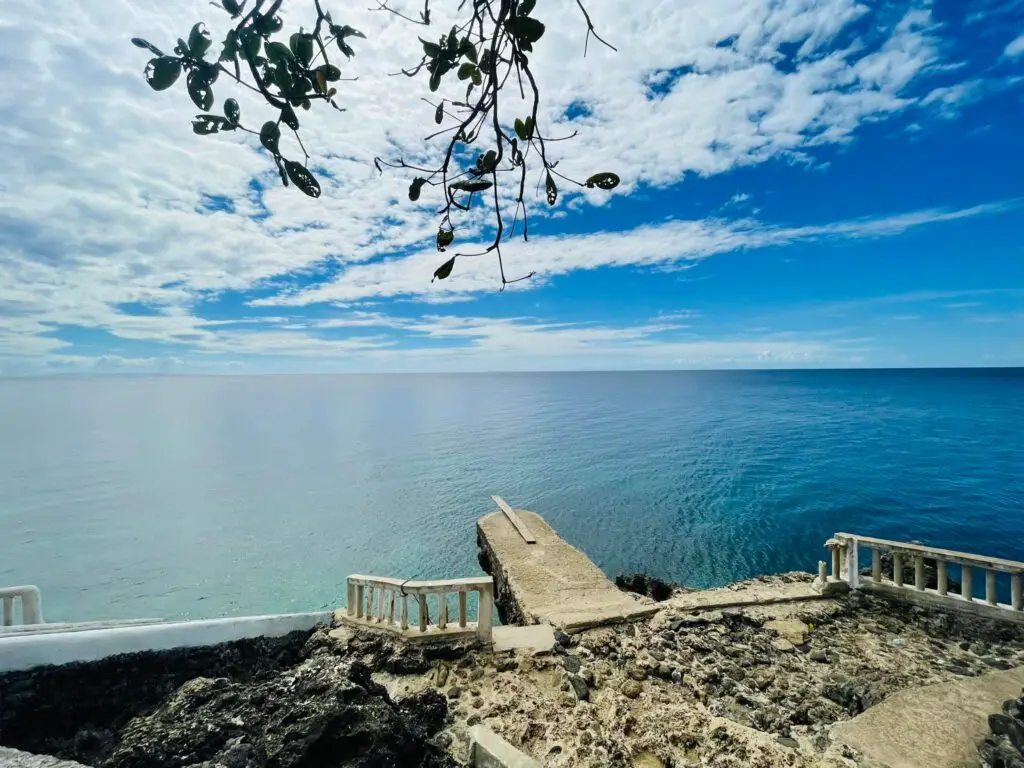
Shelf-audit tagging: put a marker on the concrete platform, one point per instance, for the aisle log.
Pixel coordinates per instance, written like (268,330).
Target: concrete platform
(935,726)
(550,581)
(750,594)
(538,638)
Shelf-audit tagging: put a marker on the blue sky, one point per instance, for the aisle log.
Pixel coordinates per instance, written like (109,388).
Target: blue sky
(805,184)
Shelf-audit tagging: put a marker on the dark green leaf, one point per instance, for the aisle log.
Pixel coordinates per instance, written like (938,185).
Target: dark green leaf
(345,48)
(439,113)
(267,25)
(489,160)
(331,72)
(525,6)
(181,48)
(466,71)
(232,111)
(281,169)
(138,42)
(302,178)
(453,42)
(435,80)
(552,190)
(529,127)
(283,78)
(270,136)
(204,125)
(251,44)
(278,52)
(468,50)
(445,237)
(521,129)
(477,77)
(527,30)
(486,65)
(346,31)
(302,46)
(232,7)
(200,91)
(603,181)
(230,49)
(288,117)
(415,187)
(477,185)
(444,270)
(199,40)
(161,73)
(432,50)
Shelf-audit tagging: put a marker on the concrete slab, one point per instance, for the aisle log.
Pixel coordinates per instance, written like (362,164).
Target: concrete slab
(935,726)
(533,637)
(747,594)
(550,581)
(488,750)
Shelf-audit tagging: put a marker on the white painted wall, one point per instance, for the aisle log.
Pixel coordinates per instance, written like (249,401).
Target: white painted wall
(19,651)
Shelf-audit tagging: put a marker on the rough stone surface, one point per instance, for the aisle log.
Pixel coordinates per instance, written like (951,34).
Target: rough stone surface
(649,586)
(14,758)
(1004,747)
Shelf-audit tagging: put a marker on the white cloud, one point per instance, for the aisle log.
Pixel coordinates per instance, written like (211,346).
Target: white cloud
(1015,47)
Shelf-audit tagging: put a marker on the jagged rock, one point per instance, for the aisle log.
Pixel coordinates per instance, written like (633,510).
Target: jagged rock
(579,688)
(323,710)
(1004,725)
(630,689)
(999,752)
(571,664)
(642,584)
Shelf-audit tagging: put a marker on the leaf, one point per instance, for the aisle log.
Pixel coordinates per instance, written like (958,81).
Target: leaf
(232,7)
(527,30)
(331,73)
(199,40)
(444,270)
(603,181)
(200,91)
(232,111)
(439,113)
(453,42)
(551,189)
(477,77)
(529,127)
(346,31)
(302,46)
(431,50)
(161,73)
(267,25)
(345,48)
(270,136)
(278,52)
(466,71)
(204,125)
(251,44)
(445,237)
(138,42)
(435,80)
(521,129)
(490,160)
(230,50)
(478,185)
(525,6)
(289,118)
(468,50)
(415,187)
(281,170)
(302,178)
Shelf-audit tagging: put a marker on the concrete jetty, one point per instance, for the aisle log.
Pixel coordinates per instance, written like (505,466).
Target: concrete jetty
(539,578)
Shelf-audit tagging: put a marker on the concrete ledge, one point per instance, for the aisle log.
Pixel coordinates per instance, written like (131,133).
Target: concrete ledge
(488,750)
(412,635)
(18,651)
(954,602)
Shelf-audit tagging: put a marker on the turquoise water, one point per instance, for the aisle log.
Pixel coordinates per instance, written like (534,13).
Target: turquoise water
(214,496)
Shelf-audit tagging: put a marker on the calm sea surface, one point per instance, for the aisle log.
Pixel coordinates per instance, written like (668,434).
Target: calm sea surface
(214,496)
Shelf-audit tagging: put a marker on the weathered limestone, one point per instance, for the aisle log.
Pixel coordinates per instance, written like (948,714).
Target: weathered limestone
(548,581)
(845,550)
(488,750)
(377,602)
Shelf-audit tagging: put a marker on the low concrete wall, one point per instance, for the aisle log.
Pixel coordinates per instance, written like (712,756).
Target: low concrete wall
(19,652)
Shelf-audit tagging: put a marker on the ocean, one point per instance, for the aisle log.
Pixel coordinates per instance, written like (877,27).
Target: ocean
(215,496)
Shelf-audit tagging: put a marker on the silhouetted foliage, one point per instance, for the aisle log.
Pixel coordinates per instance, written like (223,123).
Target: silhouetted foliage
(293,70)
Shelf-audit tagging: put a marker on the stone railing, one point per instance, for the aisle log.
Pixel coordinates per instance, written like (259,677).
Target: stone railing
(383,603)
(31,604)
(845,569)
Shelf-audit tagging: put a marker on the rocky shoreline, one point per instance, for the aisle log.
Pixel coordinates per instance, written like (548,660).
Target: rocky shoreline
(756,686)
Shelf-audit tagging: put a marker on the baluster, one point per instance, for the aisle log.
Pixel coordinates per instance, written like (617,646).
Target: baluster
(484,613)
(837,571)
(462,609)
(351,599)
(919,573)
(424,613)
(897,569)
(876,565)
(822,572)
(371,604)
(442,610)
(1016,593)
(990,587)
(382,609)
(405,611)
(391,608)
(8,611)
(967,587)
(943,577)
(360,591)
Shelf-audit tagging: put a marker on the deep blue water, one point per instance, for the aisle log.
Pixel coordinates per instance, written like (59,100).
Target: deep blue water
(216,496)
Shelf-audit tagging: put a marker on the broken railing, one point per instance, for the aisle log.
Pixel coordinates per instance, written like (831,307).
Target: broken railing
(31,604)
(384,603)
(845,568)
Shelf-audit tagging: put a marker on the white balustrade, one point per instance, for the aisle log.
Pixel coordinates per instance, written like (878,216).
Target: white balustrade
(31,604)
(845,548)
(373,600)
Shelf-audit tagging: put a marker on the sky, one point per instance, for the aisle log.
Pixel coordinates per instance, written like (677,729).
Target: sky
(805,183)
